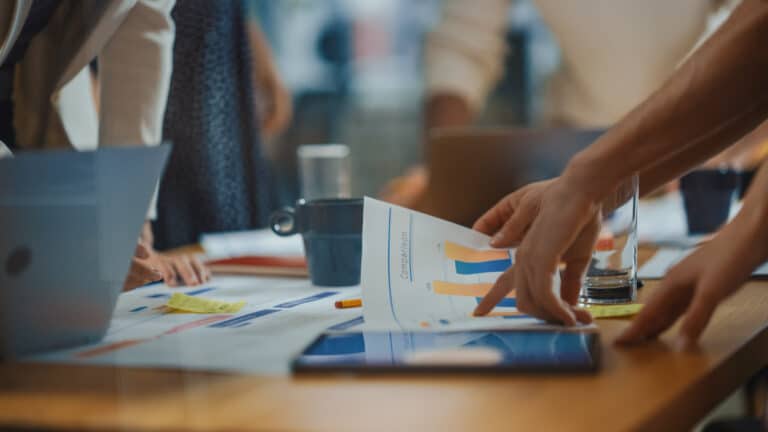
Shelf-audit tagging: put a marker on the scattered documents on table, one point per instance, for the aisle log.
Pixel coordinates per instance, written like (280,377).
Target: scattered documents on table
(187,303)
(280,316)
(420,272)
(260,266)
(262,243)
(614,311)
(662,222)
(665,258)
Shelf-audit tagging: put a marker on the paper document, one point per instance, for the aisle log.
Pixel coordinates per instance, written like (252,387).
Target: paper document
(665,258)
(254,243)
(662,222)
(420,272)
(279,318)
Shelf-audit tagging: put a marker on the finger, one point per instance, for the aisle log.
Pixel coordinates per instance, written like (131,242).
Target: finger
(184,269)
(583,316)
(660,312)
(555,309)
(200,270)
(169,272)
(571,278)
(698,315)
(511,233)
(142,251)
(500,289)
(141,270)
(494,218)
(526,305)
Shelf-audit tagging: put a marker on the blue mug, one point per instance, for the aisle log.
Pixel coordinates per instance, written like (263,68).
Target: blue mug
(332,230)
(707,198)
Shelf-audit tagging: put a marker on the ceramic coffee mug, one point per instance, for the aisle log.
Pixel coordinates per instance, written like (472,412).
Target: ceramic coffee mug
(332,233)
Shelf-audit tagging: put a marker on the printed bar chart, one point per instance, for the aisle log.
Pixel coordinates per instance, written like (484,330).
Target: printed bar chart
(467,290)
(458,252)
(466,268)
(469,261)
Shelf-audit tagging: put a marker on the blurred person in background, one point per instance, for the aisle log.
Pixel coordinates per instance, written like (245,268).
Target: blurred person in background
(46,98)
(225,96)
(614,54)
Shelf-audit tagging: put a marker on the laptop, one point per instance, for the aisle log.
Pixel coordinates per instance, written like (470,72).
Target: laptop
(69,223)
(471,169)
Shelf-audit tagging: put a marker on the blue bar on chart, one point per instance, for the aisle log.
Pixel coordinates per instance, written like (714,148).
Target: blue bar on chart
(243,319)
(200,291)
(347,324)
(495,266)
(505,302)
(301,301)
(138,309)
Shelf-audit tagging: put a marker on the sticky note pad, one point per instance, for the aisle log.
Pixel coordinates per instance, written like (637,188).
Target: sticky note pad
(614,311)
(183,302)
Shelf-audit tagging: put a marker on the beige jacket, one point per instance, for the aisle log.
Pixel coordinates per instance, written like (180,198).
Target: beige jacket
(614,53)
(53,103)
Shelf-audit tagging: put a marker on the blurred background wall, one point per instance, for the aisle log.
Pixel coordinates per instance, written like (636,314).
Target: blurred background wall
(355,69)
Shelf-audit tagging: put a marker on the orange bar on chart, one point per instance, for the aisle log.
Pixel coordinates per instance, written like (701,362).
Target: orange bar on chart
(466,290)
(458,252)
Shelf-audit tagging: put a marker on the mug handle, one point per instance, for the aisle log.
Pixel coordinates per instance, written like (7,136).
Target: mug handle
(283,222)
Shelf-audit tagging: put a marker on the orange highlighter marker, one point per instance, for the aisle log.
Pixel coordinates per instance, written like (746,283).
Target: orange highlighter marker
(350,303)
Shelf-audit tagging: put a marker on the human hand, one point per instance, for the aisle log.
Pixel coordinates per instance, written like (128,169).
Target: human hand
(407,190)
(553,222)
(181,269)
(141,271)
(148,265)
(695,286)
(509,220)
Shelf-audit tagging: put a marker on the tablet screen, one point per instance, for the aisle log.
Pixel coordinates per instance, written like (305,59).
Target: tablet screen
(452,351)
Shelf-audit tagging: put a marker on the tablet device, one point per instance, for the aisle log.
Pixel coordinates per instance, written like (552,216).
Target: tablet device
(471,351)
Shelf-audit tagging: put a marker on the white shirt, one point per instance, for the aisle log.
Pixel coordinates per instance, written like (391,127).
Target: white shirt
(614,53)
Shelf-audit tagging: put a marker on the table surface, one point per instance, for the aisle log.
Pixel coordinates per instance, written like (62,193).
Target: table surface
(651,387)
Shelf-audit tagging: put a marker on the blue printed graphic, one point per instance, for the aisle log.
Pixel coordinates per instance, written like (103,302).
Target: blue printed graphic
(304,300)
(468,268)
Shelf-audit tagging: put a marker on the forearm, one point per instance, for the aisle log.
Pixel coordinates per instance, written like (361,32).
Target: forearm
(671,168)
(134,73)
(754,212)
(717,96)
(446,110)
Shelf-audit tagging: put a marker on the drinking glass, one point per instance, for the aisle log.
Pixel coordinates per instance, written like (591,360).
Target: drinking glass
(324,171)
(612,274)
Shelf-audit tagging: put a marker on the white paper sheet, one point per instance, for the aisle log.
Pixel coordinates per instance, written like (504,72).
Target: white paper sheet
(419,272)
(665,258)
(281,317)
(662,222)
(259,242)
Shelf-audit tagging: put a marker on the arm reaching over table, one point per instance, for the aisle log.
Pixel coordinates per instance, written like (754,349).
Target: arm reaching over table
(717,96)
(697,284)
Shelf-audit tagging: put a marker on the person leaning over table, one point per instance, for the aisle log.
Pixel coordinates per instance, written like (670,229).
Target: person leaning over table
(45,94)
(717,96)
(614,54)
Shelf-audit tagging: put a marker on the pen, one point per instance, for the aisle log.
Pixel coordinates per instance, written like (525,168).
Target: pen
(350,303)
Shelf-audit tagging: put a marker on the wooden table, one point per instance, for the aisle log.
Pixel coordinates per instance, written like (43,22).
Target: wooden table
(651,387)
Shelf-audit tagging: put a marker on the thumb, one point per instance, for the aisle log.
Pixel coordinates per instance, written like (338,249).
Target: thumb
(141,252)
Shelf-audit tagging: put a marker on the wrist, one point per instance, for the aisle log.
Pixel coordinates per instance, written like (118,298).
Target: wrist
(582,175)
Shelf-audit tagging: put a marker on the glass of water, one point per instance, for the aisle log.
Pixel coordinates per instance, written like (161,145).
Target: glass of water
(612,274)
(324,171)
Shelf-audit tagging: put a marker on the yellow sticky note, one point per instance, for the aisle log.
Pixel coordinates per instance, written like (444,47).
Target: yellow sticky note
(614,311)
(183,302)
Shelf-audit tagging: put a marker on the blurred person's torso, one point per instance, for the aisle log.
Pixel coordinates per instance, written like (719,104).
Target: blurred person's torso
(615,53)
